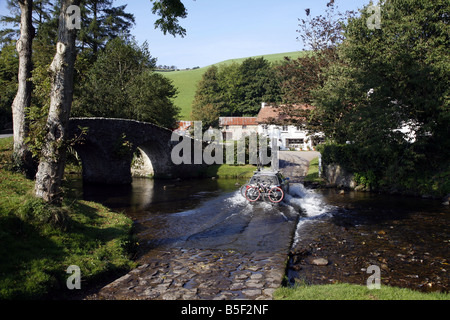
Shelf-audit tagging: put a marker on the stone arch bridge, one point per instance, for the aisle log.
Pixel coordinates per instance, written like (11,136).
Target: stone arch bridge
(107,148)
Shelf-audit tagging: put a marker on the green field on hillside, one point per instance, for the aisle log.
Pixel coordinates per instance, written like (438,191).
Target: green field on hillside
(186,80)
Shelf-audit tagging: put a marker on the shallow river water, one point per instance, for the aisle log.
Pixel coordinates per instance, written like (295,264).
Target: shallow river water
(406,238)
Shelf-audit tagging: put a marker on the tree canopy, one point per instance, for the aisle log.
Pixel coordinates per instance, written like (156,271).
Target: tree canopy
(169,12)
(387,94)
(122,84)
(236,90)
(391,77)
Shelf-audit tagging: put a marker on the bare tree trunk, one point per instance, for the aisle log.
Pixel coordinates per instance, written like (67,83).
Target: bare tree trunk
(22,101)
(53,156)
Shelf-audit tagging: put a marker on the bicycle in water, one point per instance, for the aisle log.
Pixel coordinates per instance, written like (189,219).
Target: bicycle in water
(260,191)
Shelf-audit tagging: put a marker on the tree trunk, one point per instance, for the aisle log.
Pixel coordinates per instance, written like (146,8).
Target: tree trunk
(22,101)
(53,156)
(94,32)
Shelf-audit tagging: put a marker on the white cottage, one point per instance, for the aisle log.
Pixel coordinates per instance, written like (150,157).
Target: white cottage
(233,128)
(290,137)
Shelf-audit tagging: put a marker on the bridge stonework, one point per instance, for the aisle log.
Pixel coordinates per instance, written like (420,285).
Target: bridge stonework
(107,148)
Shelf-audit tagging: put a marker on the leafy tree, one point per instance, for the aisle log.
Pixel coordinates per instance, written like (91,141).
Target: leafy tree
(398,74)
(388,78)
(229,78)
(41,14)
(258,84)
(9,63)
(169,11)
(151,97)
(323,32)
(207,102)
(103,92)
(53,155)
(238,89)
(121,84)
(102,22)
(321,35)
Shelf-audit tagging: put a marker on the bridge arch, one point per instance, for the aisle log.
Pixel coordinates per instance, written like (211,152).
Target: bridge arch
(107,147)
(142,164)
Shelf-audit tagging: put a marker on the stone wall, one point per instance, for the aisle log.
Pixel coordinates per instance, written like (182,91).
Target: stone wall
(338,177)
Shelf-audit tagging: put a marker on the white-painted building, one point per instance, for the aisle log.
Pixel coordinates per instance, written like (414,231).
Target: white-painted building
(234,128)
(289,137)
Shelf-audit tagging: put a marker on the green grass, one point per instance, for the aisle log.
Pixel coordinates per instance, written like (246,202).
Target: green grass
(344,291)
(186,80)
(226,171)
(313,172)
(186,83)
(39,241)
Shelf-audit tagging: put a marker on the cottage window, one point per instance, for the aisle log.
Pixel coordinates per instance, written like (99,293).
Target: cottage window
(294,143)
(285,128)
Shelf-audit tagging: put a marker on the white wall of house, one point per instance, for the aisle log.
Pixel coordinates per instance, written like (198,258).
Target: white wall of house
(289,137)
(235,132)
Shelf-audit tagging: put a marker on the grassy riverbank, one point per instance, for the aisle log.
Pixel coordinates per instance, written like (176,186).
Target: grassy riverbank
(345,291)
(313,173)
(226,171)
(39,241)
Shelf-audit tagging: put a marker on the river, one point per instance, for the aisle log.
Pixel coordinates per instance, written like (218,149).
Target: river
(406,238)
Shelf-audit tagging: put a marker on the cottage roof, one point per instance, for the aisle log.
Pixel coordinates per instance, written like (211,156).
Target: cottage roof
(237,121)
(184,125)
(269,114)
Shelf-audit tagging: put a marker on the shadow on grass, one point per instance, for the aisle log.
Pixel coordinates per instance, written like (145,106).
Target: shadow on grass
(35,256)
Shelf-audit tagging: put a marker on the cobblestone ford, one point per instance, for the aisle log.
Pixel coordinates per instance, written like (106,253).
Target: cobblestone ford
(216,265)
(193,274)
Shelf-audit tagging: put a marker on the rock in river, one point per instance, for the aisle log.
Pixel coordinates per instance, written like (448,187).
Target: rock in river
(319,261)
(446,200)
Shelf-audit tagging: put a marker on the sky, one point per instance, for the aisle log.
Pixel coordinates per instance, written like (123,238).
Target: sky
(219,30)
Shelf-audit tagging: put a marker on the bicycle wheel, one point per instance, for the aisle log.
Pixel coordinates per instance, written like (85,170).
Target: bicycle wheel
(276,194)
(244,189)
(252,194)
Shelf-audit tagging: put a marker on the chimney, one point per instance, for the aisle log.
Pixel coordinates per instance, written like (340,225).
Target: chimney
(263,105)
